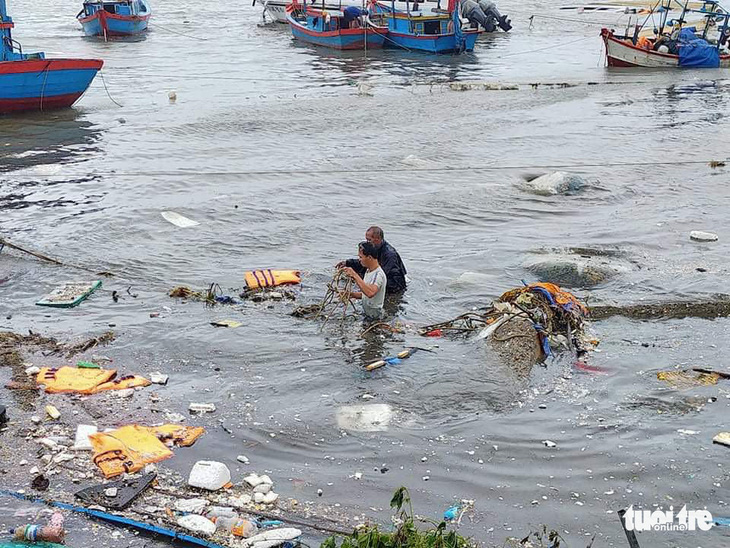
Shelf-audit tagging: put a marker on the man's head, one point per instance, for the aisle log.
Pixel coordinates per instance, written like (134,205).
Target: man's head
(374,235)
(368,255)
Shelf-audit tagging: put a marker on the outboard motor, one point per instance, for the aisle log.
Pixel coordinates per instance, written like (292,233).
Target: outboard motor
(471,11)
(492,13)
(486,14)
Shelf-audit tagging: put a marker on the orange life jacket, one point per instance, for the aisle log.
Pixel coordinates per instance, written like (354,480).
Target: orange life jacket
(257,279)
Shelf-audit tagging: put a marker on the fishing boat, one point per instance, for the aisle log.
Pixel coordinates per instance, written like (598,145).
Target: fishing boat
(424,29)
(114,17)
(673,43)
(29,81)
(346,29)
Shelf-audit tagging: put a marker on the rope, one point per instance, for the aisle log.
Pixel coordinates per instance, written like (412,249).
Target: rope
(178,33)
(561,44)
(107,89)
(448,169)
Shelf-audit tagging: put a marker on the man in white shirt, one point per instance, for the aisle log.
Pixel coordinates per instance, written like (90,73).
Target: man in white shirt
(372,284)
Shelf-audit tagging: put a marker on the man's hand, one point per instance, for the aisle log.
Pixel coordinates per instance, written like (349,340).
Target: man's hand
(349,271)
(340,265)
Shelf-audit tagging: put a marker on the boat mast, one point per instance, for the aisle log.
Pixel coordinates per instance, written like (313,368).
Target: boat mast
(6,23)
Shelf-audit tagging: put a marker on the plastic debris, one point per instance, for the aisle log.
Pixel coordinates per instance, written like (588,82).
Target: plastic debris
(701,236)
(83,431)
(158,378)
(364,418)
(195,506)
(271,538)
(253,480)
(687,379)
(201,408)
(40,483)
(52,412)
(116,495)
(236,526)
(85,381)
(548,443)
(69,295)
(226,323)
(723,438)
(53,532)
(178,220)
(242,458)
(3,414)
(209,474)
(86,365)
(198,524)
(451,513)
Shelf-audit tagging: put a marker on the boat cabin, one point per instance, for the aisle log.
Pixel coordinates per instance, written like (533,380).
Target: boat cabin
(120,7)
(330,20)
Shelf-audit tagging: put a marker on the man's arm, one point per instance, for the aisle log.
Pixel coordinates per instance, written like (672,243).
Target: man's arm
(369,290)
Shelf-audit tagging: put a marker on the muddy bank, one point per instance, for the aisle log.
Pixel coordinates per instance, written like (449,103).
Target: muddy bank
(657,311)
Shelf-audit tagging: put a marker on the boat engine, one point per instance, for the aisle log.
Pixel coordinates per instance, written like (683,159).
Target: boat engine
(485,14)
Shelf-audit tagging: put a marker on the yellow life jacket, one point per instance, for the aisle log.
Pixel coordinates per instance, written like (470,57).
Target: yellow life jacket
(72,379)
(257,279)
(128,381)
(85,381)
(129,448)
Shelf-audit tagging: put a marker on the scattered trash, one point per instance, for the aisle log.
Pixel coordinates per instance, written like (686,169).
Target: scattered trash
(394,360)
(687,432)
(40,483)
(687,378)
(201,408)
(171,96)
(242,458)
(123,494)
(197,524)
(3,414)
(253,480)
(178,220)
(275,537)
(84,365)
(236,526)
(209,474)
(129,448)
(364,418)
(32,370)
(52,412)
(723,438)
(53,532)
(83,431)
(548,443)
(700,236)
(195,506)
(226,323)
(69,295)
(158,378)
(86,381)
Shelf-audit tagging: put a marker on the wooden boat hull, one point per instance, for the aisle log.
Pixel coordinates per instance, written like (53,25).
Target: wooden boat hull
(343,39)
(620,53)
(103,23)
(44,84)
(432,43)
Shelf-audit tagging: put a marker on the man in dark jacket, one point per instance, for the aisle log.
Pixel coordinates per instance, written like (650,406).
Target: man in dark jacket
(390,261)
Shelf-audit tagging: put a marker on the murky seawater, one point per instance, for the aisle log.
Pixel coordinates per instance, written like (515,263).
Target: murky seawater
(271,147)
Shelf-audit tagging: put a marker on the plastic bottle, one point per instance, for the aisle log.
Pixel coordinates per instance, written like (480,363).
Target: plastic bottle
(220,512)
(237,526)
(33,533)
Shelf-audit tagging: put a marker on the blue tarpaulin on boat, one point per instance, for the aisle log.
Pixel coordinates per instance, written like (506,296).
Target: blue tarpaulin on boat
(696,52)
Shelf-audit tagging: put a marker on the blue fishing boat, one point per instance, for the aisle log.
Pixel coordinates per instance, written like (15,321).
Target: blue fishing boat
(424,29)
(29,81)
(114,18)
(339,29)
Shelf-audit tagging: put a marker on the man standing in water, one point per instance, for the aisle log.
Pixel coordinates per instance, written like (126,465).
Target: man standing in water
(372,284)
(388,258)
